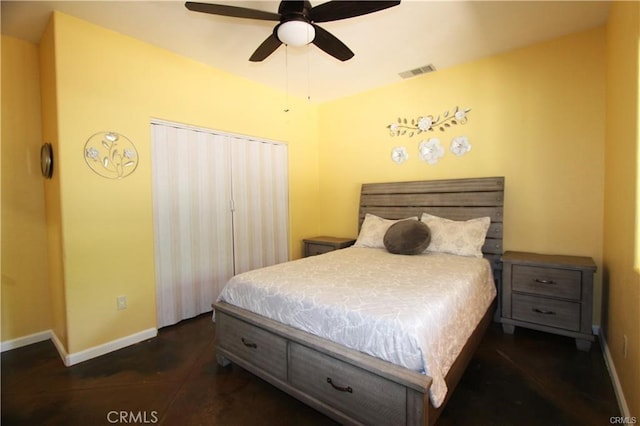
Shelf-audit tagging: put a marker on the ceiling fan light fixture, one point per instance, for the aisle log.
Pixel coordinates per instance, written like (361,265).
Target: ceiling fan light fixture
(296,33)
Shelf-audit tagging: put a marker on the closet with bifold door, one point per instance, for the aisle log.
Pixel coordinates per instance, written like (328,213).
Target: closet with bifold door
(220,207)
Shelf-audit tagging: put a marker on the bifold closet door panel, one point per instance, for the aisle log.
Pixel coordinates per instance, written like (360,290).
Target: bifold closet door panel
(261,205)
(192,220)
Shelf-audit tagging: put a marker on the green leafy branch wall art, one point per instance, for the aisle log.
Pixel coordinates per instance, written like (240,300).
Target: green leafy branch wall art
(428,123)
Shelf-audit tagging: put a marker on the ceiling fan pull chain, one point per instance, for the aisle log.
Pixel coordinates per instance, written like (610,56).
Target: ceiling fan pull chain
(286,77)
(308,77)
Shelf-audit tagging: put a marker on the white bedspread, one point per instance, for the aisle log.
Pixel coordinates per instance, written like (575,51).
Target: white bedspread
(413,311)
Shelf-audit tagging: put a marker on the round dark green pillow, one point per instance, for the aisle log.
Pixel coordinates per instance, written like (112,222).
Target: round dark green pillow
(407,237)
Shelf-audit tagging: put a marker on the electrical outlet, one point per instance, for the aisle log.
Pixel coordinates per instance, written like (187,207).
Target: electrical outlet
(625,346)
(121,302)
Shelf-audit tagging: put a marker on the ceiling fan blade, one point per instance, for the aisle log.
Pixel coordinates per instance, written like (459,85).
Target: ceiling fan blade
(233,11)
(331,45)
(266,48)
(336,10)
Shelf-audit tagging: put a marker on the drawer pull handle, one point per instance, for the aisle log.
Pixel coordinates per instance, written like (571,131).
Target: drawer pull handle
(249,344)
(340,388)
(542,311)
(543,281)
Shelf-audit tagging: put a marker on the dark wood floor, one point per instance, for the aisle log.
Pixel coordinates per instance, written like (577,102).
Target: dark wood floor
(530,378)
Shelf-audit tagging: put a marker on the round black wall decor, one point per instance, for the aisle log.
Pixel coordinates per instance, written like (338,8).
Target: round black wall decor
(46,160)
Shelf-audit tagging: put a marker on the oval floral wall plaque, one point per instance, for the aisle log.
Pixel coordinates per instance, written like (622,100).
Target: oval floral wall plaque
(111,155)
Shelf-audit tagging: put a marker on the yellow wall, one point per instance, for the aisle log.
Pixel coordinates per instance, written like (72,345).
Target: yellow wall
(106,81)
(621,201)
(537,118)
(53,222)
(24,260)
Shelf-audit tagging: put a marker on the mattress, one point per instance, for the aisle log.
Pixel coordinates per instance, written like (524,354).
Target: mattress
(413,311)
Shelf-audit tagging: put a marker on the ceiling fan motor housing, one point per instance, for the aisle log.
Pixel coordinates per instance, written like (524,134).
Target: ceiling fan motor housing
(300,8)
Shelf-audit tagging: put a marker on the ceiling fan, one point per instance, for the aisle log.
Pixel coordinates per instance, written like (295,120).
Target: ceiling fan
(297,23)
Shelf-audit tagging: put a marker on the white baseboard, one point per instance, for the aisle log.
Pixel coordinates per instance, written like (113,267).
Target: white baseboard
(114,345)
(617,387)
(25,340)
(87,354)
(60,347)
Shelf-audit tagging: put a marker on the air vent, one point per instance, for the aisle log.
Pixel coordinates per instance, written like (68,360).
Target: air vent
(417,71)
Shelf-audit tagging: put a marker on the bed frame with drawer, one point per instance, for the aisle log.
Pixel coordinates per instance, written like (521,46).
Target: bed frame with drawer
(347,385)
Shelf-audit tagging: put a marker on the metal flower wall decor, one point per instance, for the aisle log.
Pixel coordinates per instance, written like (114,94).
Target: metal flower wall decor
(399,154)
(111,155)
(460,146)
(428,123)
(431,150)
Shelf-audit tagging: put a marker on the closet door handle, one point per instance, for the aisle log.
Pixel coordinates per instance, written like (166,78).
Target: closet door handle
(249,344)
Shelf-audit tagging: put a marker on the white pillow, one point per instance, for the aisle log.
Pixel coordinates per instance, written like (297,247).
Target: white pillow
(373,229)
(464,238)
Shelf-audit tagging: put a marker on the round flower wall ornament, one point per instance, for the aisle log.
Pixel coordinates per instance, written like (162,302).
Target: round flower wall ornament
(425,123)
(461,115)
(431,151)
(460,146)
(111,155)
(399,154)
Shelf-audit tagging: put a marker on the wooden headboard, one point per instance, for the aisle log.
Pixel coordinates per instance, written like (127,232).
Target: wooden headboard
(457,199)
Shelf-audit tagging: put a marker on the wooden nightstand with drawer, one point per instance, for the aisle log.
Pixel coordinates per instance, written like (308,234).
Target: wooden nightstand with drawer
(319,245)
(549,293)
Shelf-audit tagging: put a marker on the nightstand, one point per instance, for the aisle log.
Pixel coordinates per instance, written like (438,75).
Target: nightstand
(319,245)
(549,293)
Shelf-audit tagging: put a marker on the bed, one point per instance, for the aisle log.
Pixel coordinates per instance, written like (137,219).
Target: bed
(362,379)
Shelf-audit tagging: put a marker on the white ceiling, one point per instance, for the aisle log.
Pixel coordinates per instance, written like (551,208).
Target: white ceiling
(385,43)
